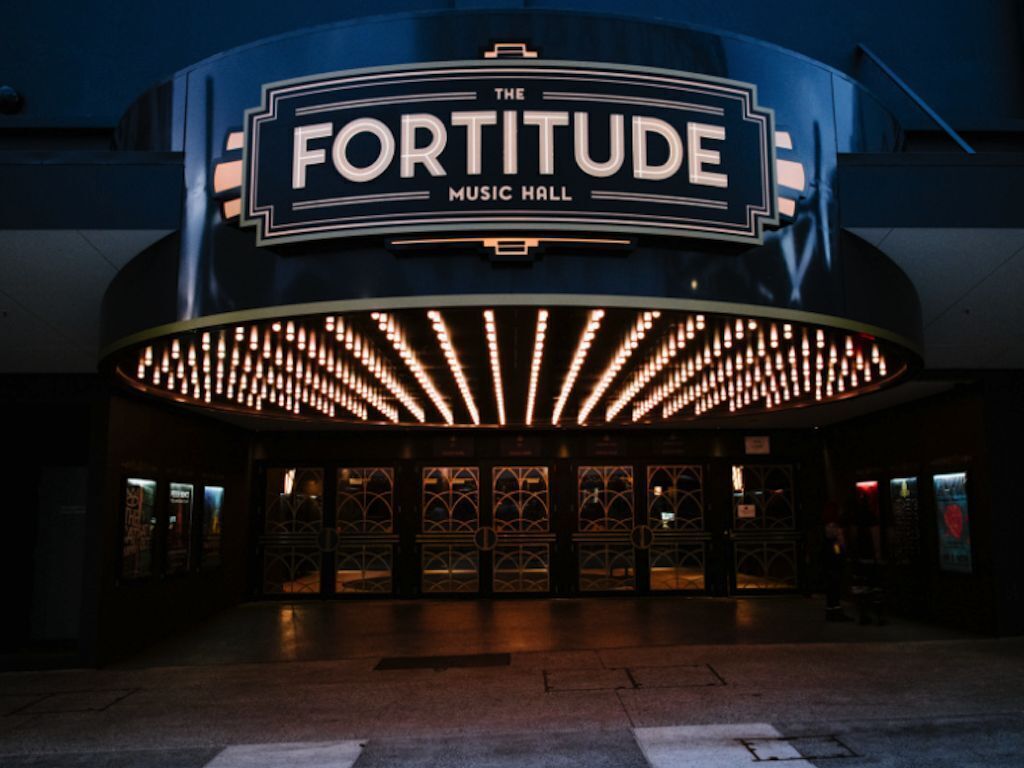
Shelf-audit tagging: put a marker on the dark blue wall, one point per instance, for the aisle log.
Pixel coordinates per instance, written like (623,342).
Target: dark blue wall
(80,64)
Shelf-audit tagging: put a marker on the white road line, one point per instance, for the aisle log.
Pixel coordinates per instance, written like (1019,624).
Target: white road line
(710,746)
(308,754)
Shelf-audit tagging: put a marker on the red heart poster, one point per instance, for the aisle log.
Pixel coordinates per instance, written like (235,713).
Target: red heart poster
(954,518)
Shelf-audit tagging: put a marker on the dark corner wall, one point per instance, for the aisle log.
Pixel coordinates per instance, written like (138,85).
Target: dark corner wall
(975,428)
(139,439)
(46,429)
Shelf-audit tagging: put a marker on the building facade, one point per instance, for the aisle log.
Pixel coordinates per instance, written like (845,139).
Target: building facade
(507,299)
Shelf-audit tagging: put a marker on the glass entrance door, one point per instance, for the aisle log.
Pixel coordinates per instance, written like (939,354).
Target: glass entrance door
(675,513)
(365,521)
(493,529)
(293,529)
(449,539)
(521,506)
(764,529)
(603,540)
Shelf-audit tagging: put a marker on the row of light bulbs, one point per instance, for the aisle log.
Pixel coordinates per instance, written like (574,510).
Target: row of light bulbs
(578,358)
(538,355)
(698,363)
(644,322)
(769,369)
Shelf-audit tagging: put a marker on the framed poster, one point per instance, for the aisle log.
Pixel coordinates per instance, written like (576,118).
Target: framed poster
(138,528)
(954,522)
(213,504)
(906,526)
(179,526)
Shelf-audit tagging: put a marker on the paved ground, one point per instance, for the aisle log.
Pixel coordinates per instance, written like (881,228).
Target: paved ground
(530,683)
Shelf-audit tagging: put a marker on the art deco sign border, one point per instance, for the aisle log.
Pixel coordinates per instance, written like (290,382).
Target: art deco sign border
(510,146)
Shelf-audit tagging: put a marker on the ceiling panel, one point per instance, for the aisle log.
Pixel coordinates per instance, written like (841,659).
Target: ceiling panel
(946,263)
(119,246)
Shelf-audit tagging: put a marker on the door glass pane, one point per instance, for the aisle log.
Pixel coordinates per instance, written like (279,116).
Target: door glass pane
(765,565)
(294,519)
(521,568)
(366,500)
(139,524)
(179,527)
(450,568)
(607,567)
(677,566)
(366,509)
(521,499)
(675,498)
(451,499)
(605,498)
(363,568)
(763,497)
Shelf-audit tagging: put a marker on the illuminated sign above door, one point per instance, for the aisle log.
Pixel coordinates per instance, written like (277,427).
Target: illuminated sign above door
(509,146)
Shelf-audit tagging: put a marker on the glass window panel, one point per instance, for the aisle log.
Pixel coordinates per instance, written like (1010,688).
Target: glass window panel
(139,525)
(605,498)
(363,569)
(677,566)
(450,569)
(365,500)
(521,568)
(213,506)
(294,520)
(675,498)
(291,570)
(521,499)
(763,497)
(607,567)
(294,500)
(451,499)
(765,565)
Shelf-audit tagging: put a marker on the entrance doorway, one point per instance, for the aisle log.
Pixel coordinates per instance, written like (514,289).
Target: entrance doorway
(556,528)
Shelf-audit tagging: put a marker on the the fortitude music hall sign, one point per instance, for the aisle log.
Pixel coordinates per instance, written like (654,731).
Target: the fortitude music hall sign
(512,147)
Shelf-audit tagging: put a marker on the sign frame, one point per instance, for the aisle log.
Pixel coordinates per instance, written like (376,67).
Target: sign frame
(765,213)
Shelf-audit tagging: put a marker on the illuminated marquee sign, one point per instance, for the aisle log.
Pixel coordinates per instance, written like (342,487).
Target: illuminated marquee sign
(514,147)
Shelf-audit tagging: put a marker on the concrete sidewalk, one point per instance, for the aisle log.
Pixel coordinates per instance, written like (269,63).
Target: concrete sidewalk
(911,700)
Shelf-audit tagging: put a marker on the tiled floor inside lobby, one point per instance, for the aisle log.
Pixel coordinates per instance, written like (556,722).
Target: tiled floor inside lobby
(616,682)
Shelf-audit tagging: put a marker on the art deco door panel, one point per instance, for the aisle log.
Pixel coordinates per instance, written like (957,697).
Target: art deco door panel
(521,504)
(292,531)
(450,528)
(676,516)
(365,523)
(606,558)
(764,523)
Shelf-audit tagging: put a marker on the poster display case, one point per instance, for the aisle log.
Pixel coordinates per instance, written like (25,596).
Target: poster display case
(179,526)
(905,533)
(139,526)
(954,522)
(213,505)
